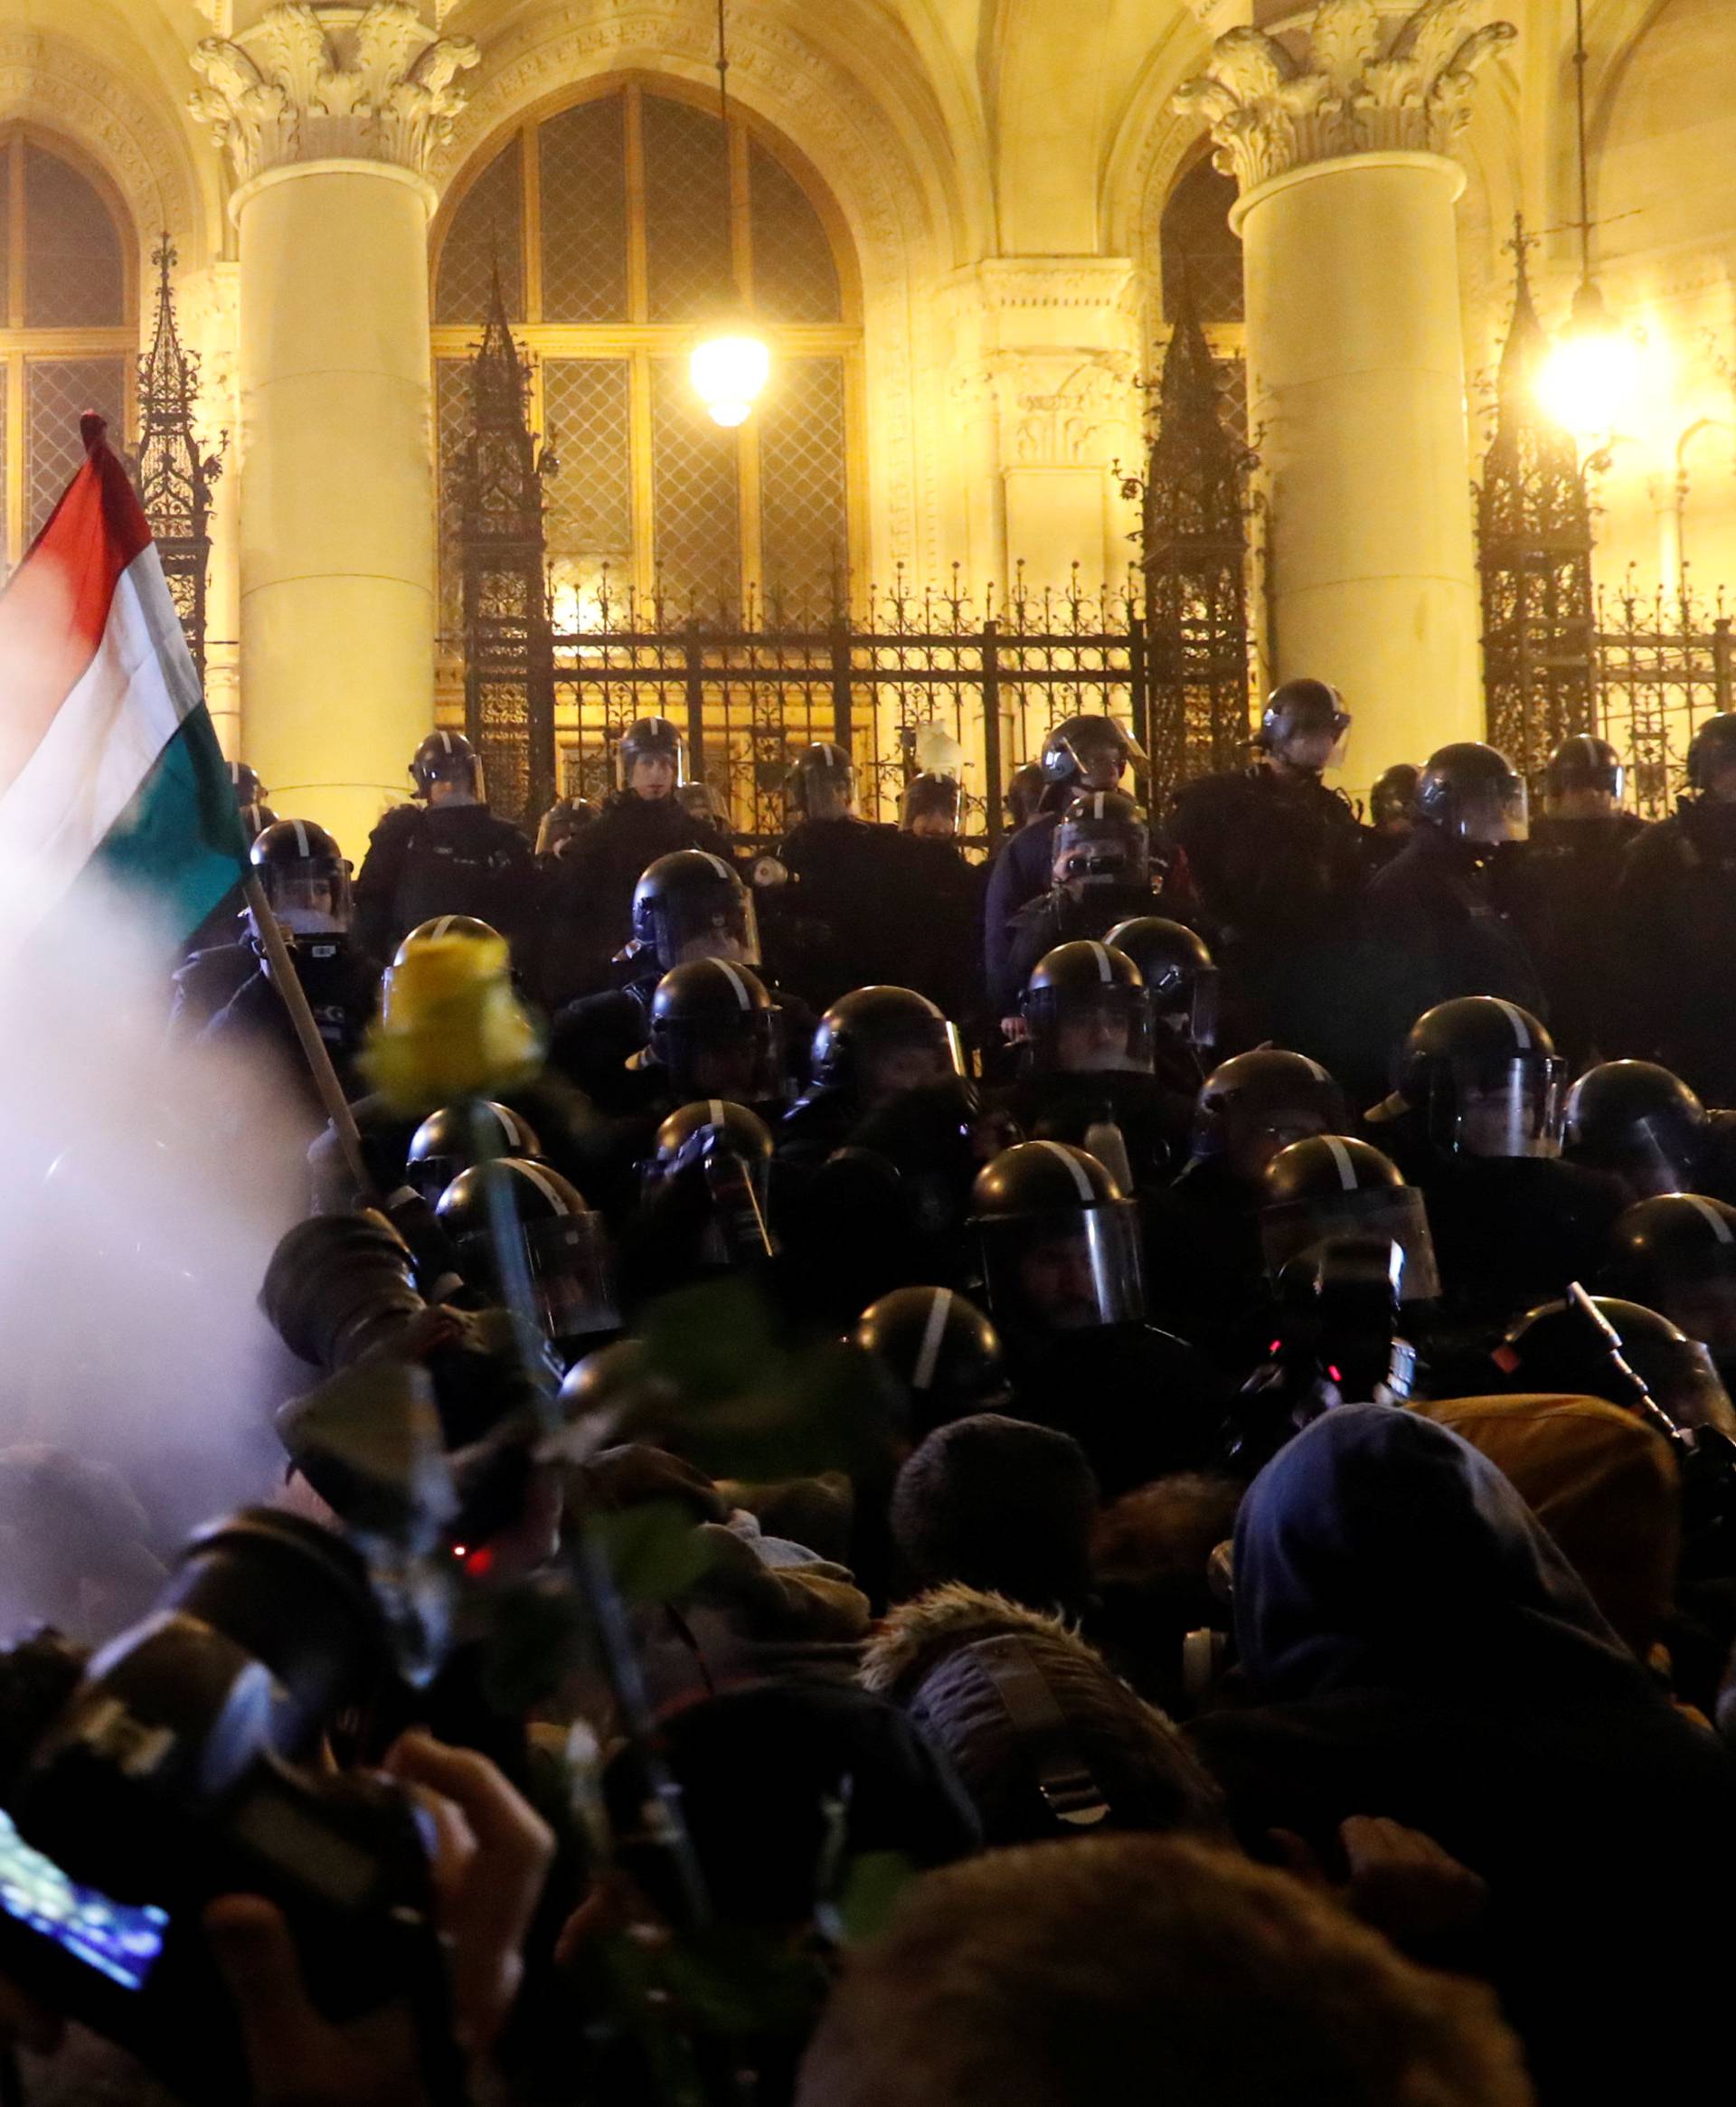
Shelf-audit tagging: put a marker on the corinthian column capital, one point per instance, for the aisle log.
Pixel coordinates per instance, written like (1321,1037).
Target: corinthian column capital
(1362,81)
(316,83)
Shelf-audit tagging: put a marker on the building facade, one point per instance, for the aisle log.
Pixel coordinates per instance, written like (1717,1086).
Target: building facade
(964,230)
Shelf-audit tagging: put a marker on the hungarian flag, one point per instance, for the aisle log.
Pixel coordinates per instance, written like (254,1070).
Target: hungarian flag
(108,763)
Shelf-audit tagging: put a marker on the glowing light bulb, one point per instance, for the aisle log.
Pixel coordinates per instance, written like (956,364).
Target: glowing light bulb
(728,371)
(1590,378)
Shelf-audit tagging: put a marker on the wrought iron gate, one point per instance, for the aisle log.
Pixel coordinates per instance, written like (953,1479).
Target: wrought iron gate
(1663,664)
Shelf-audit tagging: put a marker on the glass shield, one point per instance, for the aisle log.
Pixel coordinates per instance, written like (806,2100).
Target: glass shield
(1516,1113)
(1395,1214)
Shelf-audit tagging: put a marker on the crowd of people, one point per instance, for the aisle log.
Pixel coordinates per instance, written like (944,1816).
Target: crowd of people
(1109,1476)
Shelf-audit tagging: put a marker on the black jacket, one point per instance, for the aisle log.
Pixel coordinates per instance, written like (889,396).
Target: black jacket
(1675,911)
(424,861)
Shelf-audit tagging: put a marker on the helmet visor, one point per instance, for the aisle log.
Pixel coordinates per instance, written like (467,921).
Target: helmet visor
(1089,854)
(311,905)
(572,1276)
(659,764)
(1188,1006)
(1517,1112)
(719,923)
(738,1058)
(1389,1214)
(1493,813)
(1314,741)
(1070,1271)
(1099,1032)
(1684,1381)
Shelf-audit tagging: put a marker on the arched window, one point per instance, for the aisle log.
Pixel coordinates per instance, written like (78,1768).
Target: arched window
(619,224)
(1196,240)
(68,331)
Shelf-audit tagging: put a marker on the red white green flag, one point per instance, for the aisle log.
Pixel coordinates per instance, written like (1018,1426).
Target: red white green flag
(109,762)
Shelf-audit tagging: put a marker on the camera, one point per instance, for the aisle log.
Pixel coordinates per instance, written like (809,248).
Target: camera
(181,1763)
(1337,1339)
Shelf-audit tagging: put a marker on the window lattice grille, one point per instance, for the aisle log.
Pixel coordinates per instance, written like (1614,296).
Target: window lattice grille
(587,418)
(795,272)
(74,277)
(583,173)
(58,391)
(804,502)
(451,424)
(697,505)
(686,212)
(490,224)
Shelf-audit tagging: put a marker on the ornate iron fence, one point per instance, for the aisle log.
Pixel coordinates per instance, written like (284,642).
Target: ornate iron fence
(1663,662)
(752,682)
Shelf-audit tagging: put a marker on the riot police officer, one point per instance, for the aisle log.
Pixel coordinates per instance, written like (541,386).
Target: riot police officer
(1105,868)
(1087,1076)
(1060,1251)
(1392,810)
(943,1355)
(1081,753)
(1675,925)
(1437,924)
(937,902)
(444,853)
(1645,1126)
(567,1248)
(307,883)
(1677,1254)
(1475,1121)
(1561,890)
(844,871)
(588,905)
(1277,859)
(869,1048)
(1207,1271)
(1176,966)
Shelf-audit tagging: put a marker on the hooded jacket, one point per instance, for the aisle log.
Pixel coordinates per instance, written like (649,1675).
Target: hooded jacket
(1418,1647)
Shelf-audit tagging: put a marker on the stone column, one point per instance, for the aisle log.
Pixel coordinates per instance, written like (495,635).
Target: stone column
(1355,359)
(328,115)
(1045,356)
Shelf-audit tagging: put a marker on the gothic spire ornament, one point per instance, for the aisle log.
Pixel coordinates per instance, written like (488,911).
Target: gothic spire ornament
(1194,556)
(173,472)
(1534,556)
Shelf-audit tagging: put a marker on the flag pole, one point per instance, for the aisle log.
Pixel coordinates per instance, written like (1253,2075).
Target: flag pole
(288,982)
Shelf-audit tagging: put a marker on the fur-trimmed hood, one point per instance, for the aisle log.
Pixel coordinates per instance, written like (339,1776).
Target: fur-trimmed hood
(913,1636)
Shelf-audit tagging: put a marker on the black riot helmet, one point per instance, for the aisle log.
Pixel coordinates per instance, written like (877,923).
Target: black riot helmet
(565,1246)
(255,819)
(470,927)
(447,1142)
(1392,803)
(717,1032)
(1484,1077)
(1585,762)
(1082,748)
(244,781)
(1711,751)
(731,1147)
(876,1042)
(942,1351)
(1676,1252)
(1256,1103)
(1176,967)
(1333,1185)
(1059,1242)
(1086,1012)
(1473,794)
(650,739)
(1102,840)
(821,781)
(446,757)
(562,825)
(692,905)
(1640,1122)
(304,876)
(1305,722)
(1556,1347)
(1024,793)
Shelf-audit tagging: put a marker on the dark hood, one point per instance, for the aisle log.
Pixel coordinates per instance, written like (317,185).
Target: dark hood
(1379,1549)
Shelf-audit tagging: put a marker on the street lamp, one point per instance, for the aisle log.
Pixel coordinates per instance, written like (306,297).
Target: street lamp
(732,362)
(1589,378)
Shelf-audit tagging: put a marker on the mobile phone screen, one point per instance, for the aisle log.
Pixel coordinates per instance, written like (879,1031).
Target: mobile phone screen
(121,1940)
